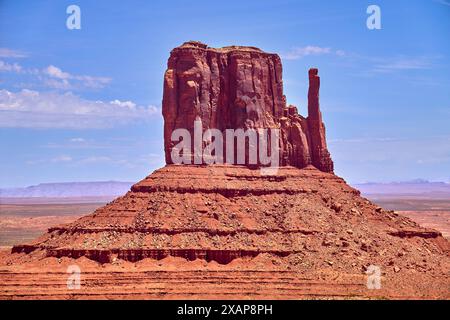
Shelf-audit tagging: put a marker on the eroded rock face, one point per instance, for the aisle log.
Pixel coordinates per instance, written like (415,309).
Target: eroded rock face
(241,87)
(319,153)
(194,217)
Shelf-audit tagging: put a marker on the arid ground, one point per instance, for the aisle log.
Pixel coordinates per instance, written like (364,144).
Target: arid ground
(430,213)
(24,219)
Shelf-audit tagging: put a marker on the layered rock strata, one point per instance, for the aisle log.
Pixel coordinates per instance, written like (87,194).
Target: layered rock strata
(303,219)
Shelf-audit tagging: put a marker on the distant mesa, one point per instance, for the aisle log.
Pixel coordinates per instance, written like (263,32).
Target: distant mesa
(68,190)
(418,187)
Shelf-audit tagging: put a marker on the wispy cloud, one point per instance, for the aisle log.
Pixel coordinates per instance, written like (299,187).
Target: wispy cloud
(60,79)
(56,72)
(33,109)
(402,63)
(56,78)
(10,67)
(414,69)
(50,76)
(125,145)
(10,53)
(141,161)
(301,52)
(62,158)
(95,159)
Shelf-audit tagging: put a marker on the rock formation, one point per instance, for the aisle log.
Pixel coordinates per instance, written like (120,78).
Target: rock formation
(321,158)
(241,87)
(304,221)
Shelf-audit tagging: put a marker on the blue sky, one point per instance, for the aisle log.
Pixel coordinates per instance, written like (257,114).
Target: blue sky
(85,105)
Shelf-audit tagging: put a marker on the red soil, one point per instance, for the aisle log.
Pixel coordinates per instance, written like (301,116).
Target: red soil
(227,231)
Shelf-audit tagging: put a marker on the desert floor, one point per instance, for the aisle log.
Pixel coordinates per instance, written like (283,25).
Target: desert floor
(263,277)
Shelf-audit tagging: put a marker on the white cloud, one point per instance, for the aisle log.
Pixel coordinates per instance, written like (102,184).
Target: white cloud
(57,84)
(33,109)
(9,53)
(10,67)
(298,53)
(93,82)
(63,80)
(56,72)
(77,140)
(126,104)
(56,78)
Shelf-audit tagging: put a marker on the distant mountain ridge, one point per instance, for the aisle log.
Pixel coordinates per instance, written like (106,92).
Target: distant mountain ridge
(69,189)
(413,187)
(117,188)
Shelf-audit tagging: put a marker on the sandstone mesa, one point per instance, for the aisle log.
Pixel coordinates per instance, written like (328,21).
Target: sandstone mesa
(241,87)
(226,230)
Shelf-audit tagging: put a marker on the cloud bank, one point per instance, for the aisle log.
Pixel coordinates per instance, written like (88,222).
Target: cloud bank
(33,109)
(54,77)
(10,53)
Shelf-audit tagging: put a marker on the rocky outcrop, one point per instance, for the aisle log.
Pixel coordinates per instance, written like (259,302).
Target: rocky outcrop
(301,220)
(241,87)
(225,212)
(319,153)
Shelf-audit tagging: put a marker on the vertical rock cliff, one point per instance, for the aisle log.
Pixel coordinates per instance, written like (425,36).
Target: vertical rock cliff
(241,87)
(319,153)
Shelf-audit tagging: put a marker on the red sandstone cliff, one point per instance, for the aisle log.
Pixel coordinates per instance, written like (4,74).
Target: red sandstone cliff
(319,153)
(256,233)
(241,87)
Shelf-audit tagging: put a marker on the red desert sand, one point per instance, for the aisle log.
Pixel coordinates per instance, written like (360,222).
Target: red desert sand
(227,231)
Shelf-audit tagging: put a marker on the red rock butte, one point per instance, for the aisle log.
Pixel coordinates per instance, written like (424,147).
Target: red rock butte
(241,87)
(301,233)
